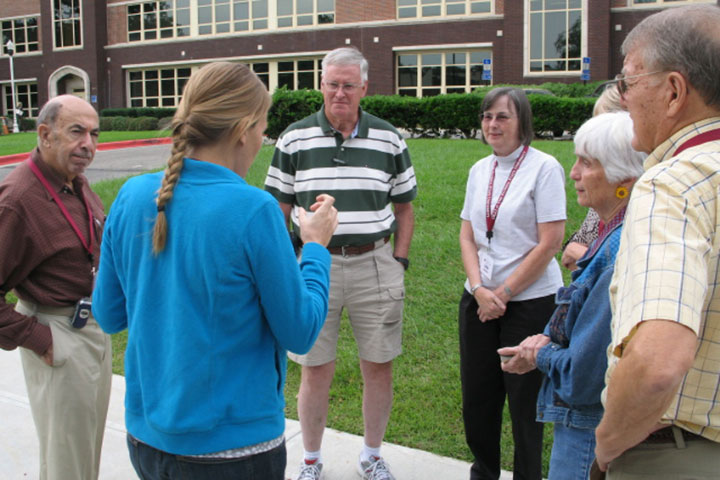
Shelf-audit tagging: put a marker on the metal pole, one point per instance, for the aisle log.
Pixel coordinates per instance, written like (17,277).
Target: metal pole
(11,50)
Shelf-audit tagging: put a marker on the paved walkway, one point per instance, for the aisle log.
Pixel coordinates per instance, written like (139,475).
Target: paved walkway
(19,450)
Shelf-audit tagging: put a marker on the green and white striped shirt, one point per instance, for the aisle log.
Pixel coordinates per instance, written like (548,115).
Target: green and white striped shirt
(365,174)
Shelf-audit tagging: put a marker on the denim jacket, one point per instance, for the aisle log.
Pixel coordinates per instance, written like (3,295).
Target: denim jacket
(574,361)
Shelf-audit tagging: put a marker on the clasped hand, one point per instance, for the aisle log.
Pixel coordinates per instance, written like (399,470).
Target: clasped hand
(524,355)
(490,304)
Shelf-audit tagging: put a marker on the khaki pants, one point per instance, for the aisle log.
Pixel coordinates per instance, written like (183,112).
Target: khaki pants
(69,401)
(692,459)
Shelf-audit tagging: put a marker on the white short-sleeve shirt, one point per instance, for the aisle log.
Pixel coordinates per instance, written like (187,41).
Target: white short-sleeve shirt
(536,195)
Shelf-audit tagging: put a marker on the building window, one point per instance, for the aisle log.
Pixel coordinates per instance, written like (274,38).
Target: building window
(159,19)
(67,23)
(442,8)
(262,70)
(225,16)
(297,74)
(23,32)
(668,2)
(555,36)
(298,13)
(431,73)
(26,94)
(160,87)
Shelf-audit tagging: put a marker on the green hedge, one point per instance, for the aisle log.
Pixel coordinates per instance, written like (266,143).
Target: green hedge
(138,112)
(452,114)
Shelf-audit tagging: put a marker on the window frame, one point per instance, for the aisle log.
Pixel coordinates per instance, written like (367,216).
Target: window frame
(293,17)
(635,4)
(443,51)
(158,29)
(25,98)
(528,60)
(160,97)
(420,6)
(55,21)
(26,43)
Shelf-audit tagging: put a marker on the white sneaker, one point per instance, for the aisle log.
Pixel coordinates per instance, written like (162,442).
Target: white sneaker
(309,471)
(374,469)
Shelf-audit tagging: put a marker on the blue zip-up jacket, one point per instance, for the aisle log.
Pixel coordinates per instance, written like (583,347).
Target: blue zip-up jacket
(209,318)
(575,365)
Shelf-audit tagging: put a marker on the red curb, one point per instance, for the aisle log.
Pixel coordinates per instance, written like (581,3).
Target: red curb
(19,157)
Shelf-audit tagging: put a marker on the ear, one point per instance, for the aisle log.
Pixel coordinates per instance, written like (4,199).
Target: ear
(44,134)
(678,93)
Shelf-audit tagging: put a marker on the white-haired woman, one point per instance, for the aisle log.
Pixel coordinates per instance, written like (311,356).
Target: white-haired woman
(571,350)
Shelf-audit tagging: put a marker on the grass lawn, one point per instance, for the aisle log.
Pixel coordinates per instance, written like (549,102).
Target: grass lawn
(427,408)
(26,141)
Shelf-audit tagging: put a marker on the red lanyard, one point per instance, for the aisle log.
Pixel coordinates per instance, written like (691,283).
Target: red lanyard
(88,245)
(708,136)
(490,216)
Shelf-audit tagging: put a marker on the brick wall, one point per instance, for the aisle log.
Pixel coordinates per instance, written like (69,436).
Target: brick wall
(116,24)
(16,8)
(349,11)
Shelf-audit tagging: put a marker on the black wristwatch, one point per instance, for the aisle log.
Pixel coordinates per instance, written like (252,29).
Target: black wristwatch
(404,261)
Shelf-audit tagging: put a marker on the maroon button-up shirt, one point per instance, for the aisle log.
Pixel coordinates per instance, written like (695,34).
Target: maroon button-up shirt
(41,257)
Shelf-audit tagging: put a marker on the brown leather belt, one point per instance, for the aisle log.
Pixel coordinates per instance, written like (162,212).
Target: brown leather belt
(666,435)
(348,250)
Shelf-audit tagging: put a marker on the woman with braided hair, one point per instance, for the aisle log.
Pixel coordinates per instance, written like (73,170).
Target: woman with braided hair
(199,267)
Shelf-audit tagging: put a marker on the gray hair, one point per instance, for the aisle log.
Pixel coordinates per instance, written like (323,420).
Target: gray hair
(607,138)
(522,108)
(608,101)
(49,113)
(346,56)
(684,40)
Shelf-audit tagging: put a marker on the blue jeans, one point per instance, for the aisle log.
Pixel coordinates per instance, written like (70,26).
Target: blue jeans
(573,452)
(153,464)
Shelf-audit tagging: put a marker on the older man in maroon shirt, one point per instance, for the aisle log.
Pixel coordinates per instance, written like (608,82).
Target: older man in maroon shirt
(50,230)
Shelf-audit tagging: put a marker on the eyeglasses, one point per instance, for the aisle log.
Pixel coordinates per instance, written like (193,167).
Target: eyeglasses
(347,88)
(621,84)
(500,117)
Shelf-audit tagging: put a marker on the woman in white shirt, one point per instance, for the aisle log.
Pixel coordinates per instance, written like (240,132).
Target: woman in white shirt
(513,223)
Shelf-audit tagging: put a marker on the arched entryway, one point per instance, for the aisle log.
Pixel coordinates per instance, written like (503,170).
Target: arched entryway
(69,80)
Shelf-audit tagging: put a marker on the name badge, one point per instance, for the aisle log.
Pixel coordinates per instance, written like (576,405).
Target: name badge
(486,267)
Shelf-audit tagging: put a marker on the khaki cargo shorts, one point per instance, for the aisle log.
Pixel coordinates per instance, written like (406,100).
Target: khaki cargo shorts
(371,287)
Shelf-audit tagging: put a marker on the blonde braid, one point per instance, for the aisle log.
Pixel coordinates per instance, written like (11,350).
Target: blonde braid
(165,193)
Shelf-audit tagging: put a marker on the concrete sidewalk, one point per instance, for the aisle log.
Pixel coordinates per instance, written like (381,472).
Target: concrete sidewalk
(19,450)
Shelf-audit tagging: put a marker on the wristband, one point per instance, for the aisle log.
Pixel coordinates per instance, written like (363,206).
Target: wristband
(404,261)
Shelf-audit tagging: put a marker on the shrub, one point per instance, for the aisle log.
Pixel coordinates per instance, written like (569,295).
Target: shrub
(119,123)
(106,124)
(289,106)
(138,112)
(27,124)
(400,111)
(147,123)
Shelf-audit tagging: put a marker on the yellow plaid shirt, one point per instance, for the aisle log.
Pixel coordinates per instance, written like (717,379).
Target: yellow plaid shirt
(668,265)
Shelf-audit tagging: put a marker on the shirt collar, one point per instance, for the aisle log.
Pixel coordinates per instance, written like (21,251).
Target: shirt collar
(55,179)
(360,130)
(666,150)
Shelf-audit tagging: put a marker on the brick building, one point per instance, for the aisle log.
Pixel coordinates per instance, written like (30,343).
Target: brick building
(122,53)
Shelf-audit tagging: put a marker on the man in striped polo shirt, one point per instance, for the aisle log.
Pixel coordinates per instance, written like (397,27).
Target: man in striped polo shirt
(364,163)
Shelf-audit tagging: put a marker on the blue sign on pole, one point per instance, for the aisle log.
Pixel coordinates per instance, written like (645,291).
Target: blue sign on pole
(93,98)
(585,76)
(487,69)
(586,60)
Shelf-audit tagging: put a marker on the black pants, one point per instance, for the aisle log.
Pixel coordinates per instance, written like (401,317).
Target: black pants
(484,386)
